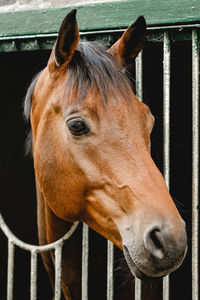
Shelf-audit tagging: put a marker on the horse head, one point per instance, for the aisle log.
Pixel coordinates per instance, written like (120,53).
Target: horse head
(91,149)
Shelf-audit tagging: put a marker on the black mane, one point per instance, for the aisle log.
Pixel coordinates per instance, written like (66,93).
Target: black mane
(93,66)
(28,98)
(26,112)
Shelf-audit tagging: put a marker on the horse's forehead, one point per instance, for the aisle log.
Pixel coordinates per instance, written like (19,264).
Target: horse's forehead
(116,108)
(94,101)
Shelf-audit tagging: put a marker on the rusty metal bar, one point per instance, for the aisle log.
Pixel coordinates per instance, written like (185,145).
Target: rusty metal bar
(195,164)
(166,130)
(85,254)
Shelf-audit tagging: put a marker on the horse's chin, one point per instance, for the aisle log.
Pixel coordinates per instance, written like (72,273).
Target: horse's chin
(134,268)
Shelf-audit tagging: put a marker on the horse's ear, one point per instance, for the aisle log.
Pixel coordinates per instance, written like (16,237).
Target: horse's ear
(67,41)
(129,45)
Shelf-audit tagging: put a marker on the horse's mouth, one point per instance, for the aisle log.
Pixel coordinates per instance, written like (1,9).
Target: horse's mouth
(133,267)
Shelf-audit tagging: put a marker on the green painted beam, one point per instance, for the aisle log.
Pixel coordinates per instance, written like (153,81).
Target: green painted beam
(107,15)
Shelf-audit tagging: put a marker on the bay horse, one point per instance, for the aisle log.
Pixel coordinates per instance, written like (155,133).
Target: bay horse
(91,152)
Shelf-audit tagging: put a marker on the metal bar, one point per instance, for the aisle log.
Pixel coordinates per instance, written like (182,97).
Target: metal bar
(166,287)
(30,247)
(138,289)
(166,130)
(139,94)
(166,109)
(195,164)
(110,264)
(85,254)
(33,288)
(139,76)
(83,33)
(10,274)
(14,241)
(58,272)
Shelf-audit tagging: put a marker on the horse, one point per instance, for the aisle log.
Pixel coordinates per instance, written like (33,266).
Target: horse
(90,139)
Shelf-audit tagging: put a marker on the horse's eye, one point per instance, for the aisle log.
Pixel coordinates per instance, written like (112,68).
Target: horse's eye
(77,127)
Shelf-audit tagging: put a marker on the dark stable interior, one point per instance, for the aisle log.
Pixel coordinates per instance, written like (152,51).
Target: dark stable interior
(18,201)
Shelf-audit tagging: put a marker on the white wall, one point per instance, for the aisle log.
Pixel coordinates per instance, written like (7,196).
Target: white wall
(15,5)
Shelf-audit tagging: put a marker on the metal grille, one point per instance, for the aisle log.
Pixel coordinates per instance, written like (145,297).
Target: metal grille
(166,37)
(166,150)
(13,241)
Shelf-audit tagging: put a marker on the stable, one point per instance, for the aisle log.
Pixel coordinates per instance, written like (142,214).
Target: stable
(166,78)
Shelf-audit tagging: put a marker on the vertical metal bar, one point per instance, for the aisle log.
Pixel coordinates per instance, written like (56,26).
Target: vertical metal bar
(166,109)
(85,253)
(58,272)
(195,164)
(138,289)
(110,262)
(10,274)
(33,288)
(166,130)
(139,76)
(166,287)
(139,94)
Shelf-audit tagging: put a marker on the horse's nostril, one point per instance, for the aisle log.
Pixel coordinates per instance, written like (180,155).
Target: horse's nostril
(155,236)
(153,242)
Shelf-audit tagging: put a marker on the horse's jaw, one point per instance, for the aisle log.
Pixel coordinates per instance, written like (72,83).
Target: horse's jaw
(132,266)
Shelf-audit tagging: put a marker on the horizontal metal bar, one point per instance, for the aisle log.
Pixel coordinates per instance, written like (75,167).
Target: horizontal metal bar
(181,26)
(87,33)
(111,15)
(31,36)
(30,247)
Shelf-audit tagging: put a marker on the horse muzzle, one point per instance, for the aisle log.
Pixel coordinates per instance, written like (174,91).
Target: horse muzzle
(155,254)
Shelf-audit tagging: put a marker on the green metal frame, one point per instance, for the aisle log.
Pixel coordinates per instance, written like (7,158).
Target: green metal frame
(37,29)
